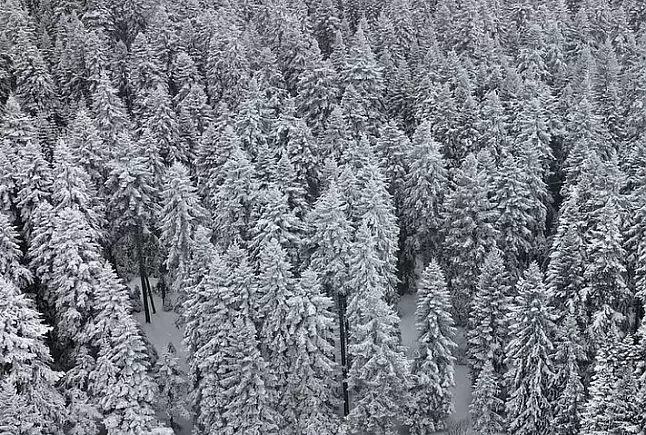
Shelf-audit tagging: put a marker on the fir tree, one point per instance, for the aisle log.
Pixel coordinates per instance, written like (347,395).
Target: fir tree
(433,364)
(31,403)
(423,194)
(379,375)
(487,332)
(486,407)
(10,258)
(173,388)
(468,232)
(180,216)
(529,356)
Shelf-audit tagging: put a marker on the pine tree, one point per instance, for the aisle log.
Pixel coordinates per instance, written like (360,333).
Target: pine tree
(605,294)
(486,407)
(87,147)
(10,266)
(76,260)
(180,216)
(423,194)
(31,404)
(109,112)
(433,364)
(173,388)
(468,232)
(568,358)
(132,207)
(160,119)
(488,329)
(121,383)
(310,403)
(565,271)
(231,205)
(529,356)
(33,183)
(379,375)
(34,84)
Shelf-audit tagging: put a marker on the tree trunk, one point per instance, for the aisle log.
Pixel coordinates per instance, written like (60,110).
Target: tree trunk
(142,274)
(343,340)
(150,293)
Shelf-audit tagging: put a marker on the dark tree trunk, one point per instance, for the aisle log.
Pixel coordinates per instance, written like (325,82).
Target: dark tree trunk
(142,274)
(150,293)
(343,340)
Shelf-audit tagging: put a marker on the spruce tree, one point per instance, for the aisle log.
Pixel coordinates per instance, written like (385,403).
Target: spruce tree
(31,403)
(468,232)
(10,259)
(488,329)
(379,377)
(486,408)
(424,188)
(173,388)
(529,356)
(180,216)
(433,365)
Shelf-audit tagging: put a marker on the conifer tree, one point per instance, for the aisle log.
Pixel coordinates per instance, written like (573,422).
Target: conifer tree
(434,360)
(87,147)
(109,112)
(173,388)
(231,204)
(34,83)
(564,276)
(33,183)
(569,357)
(486,407)
(31,403)
(10,266)
(379,377)
(605,293)
(529,356)
(132,207)
(468,232)
(180,216)
(75,262)
(423,194)
(121,382)
(488,329)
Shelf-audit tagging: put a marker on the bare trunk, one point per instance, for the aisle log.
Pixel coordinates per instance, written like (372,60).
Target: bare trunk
(142,274)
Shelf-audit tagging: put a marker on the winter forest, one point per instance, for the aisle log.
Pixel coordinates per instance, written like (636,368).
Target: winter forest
(272,179)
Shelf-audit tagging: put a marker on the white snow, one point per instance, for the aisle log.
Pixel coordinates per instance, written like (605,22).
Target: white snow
(160,331)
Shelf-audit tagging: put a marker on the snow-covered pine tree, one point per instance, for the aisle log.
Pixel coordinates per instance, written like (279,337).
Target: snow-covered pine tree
(173,387)
(564,276)
(75,263)
(424,187)
(529,356)
(468,232)
(433,364)
(30,401)
(379,377)
(181,214)
(313,372)
(10,254)
(486,408)
(488,329)
(605,293)
(570,395)
(121,382)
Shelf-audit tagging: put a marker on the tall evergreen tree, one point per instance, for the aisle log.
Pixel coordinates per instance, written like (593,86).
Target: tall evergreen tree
(379,375)
(486,407)
(433,365)
(488,328)
(529,356)
(31,403)
(468,232)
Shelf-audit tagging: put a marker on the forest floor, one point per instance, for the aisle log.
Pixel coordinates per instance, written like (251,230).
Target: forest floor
(163,330)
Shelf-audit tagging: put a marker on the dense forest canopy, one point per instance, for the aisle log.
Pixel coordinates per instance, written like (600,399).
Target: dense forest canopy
(284,171)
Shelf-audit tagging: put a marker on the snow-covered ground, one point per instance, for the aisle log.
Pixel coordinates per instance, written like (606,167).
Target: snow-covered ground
(462,390)
(162,330)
